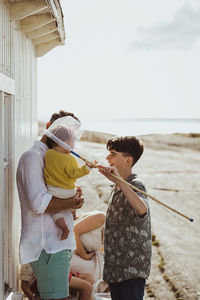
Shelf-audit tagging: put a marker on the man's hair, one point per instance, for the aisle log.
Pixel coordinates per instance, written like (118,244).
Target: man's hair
(128,145)
(61,114)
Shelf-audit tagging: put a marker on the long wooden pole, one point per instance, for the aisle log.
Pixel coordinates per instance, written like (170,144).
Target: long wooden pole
(153,198)
(67,147)
(138,190)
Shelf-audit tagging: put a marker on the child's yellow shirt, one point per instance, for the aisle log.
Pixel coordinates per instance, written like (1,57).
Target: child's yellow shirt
(62,169)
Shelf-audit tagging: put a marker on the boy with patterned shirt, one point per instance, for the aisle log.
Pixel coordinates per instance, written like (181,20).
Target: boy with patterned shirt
(127,236)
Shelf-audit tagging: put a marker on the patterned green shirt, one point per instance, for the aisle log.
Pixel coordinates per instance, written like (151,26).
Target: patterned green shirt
(127,238)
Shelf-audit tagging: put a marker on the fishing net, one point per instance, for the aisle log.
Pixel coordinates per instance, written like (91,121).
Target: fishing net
(65,132)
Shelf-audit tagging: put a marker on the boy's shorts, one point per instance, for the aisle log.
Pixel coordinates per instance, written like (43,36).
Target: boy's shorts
(52,273)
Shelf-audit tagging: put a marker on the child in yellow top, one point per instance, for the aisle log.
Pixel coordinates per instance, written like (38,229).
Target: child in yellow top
(61,171)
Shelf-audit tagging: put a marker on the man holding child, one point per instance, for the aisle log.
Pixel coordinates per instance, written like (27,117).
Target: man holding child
(40,243)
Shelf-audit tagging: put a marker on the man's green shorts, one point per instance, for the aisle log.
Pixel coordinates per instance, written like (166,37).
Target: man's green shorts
(52,273)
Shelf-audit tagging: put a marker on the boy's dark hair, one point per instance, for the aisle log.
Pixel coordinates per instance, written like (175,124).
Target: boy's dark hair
(61,114)
(128,145)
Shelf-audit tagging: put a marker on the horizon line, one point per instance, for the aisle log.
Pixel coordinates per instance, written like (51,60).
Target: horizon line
(44,119)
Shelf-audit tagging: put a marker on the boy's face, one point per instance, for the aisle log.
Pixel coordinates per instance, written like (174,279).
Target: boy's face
(117,159)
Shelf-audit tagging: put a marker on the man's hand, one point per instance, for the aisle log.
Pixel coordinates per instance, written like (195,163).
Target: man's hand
(78,199)
(56,204)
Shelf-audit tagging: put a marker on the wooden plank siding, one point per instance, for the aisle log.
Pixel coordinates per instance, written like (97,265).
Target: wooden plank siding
(18,63)
(5,40)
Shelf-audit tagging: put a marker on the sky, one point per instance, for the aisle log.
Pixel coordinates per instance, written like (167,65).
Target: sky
(124,59)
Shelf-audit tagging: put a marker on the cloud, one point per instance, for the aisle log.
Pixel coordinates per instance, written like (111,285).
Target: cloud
(179,34)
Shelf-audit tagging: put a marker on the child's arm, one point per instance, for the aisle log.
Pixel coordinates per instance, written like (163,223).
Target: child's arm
(134,200)
(73,170)
(81,250)
(87,224)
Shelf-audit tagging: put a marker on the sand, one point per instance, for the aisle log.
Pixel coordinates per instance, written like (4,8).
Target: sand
(170,168)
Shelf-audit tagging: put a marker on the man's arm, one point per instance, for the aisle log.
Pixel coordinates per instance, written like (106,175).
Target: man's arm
(30,181)
(57,204)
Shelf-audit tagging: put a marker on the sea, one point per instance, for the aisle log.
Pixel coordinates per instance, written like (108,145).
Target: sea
(143,126)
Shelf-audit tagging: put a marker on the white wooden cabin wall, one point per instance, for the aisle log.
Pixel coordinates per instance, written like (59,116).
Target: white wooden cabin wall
(18,129)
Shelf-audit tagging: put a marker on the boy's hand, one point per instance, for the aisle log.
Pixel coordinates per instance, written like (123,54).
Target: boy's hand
(108,171)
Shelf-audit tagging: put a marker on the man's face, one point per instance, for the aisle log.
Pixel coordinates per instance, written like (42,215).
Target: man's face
(116,159)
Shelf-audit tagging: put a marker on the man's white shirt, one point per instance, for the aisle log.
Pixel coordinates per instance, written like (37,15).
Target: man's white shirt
(38,228)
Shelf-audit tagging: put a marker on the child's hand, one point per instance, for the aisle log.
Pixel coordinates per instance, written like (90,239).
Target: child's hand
(92,164)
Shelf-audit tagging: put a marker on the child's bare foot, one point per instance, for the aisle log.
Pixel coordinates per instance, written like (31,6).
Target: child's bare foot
(64,234)
(63,226)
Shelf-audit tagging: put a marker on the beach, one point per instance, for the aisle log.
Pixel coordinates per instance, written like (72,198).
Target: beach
(170,169)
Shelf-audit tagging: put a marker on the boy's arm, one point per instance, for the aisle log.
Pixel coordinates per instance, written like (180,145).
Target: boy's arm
(134,200)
